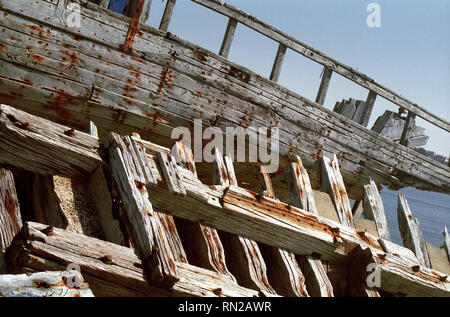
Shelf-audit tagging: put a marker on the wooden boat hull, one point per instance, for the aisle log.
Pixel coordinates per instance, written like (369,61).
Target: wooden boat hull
(78,75)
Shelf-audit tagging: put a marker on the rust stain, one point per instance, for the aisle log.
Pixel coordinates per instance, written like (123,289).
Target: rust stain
(127,46)
(140,61)
(37,58)
(70,132)
(76,38)
(201,57)
(2,47)
(135,74)
(141,187)
(62,99)
(239,74)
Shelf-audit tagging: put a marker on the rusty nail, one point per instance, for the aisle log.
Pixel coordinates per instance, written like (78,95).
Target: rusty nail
(70,132)
(416,268)
(107,259)
(48,231)
(217,291)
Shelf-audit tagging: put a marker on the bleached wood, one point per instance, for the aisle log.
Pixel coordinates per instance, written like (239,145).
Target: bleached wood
(149,235)
(408,129)
(446,244)
(265,183)
(374,210)
(321,58)
(171,176)
(10,217)
(410,231)
(42,284)
(44,147)
(333,183)
(110,269)
(318,282)
(324,83)
(300,191)
(184,157)
(167,15)
(276,68)
(93,129)
(220,173)
(370,102)
(378,157)
(228,38)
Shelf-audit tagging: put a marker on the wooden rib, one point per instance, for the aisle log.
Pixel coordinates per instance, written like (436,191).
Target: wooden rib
(167,223)
(111,270)
(318,283)
(333,184)
(300,190)
(230,170)
(104,3)
(149,236)
(97,187)
(46,204)
(410,231)
(265,183)
(370,102)
(167,15)
(93,129)
(10,217)
(168,165)
(202,242)
(446,244)
(276,69)
(324,83)
(44,147)
(228,38)
(319,57)
(244,256)
(374,210)
(283,270)
(408,128)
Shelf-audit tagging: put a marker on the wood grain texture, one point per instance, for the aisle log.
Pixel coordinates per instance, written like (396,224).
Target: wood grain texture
(374,209)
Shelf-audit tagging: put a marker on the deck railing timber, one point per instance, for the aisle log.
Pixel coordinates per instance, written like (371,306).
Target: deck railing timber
(246,243)
(285,41)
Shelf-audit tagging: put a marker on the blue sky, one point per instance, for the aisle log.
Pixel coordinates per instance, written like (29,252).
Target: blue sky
(409,53)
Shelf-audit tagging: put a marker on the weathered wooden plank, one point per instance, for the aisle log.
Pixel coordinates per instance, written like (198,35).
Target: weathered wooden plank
(266,187)
(323,59)
(44,147)
(370,102)
(184,157)
(374,209)
(103,204)
(333,183)
(408,128)
(410,231)
(149,236)
(104,3)
(220,172)
(46,204)
(398,251)
(110,269)
(276,68)
(324,83)
(10,217)
(167,15)
(300,190)
(228,38)
(446,244)
(170,171)
(352,133)
(318,282)
(42,284)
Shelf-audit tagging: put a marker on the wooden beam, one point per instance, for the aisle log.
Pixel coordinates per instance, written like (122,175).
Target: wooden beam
(10,217)
(110,269)
(374,210)
(46,204)
(228,38)
(168,165)
(370,102)
(184,157)
(319,57)
(44,147)
(408,129)
(167,15)
(410,231)
(42,284)
(300,190)
(318,283)
(333,184)
(276,69)
(245,260)
(323,88)
(265,183)
(446,244)
(149,235)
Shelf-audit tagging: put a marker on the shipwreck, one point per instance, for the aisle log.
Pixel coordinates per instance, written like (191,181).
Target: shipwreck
(92,181)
